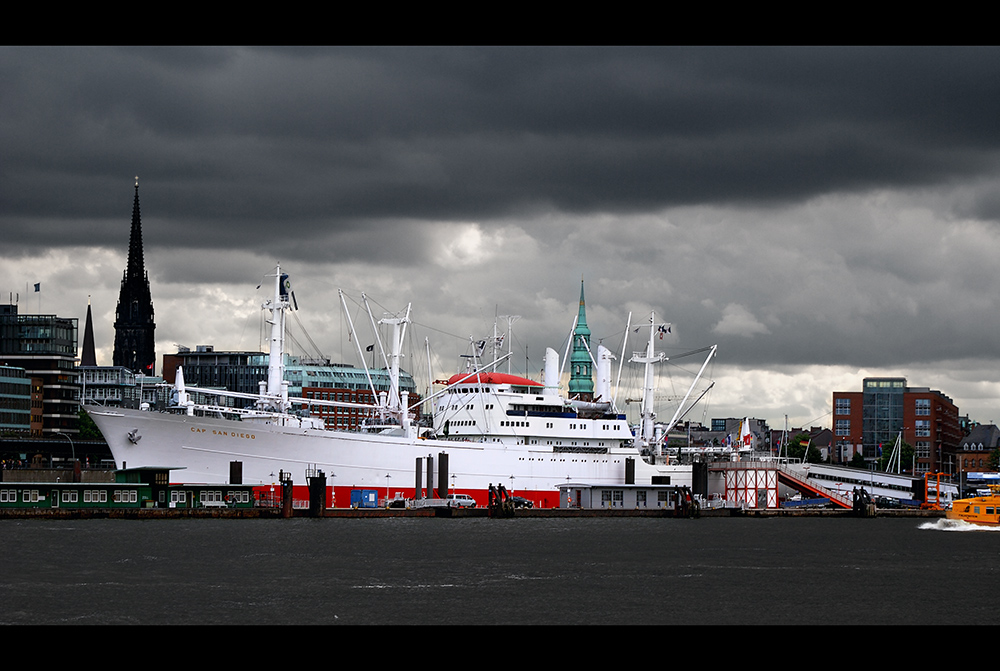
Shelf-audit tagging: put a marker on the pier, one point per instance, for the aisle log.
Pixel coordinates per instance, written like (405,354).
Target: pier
(450,513)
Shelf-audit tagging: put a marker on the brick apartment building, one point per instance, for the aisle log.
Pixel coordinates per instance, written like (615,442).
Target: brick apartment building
(868,421)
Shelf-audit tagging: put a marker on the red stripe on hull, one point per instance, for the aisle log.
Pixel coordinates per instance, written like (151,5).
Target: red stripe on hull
(340,497)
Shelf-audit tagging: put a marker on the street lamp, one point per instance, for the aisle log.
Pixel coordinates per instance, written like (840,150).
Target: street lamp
(387,476)
(71,448)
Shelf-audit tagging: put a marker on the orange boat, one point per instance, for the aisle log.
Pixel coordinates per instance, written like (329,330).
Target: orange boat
(983,510)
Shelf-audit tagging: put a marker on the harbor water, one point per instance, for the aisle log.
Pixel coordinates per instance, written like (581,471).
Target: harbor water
(514,571)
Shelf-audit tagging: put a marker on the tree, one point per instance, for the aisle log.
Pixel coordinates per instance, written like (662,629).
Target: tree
(800,447)
(857,461)
(88,430)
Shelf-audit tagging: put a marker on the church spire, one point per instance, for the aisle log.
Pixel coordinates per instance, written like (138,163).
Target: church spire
(89,355)
(581,380)
(134,327)
(136,266)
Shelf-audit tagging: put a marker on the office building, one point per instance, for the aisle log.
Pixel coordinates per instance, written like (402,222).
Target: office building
(45,347)
(870,420)
(15,402)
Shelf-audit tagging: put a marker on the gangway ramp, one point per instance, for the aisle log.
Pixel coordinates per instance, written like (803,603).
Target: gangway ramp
(800,481)
(755,483)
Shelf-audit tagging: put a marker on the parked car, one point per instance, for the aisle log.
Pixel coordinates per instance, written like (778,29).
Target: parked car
(521,502)
(460,501)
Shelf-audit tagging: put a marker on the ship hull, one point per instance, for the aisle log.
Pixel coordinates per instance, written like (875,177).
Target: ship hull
(982,510)
(203,448)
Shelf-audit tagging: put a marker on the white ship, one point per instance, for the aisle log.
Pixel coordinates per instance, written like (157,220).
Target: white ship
(489,428)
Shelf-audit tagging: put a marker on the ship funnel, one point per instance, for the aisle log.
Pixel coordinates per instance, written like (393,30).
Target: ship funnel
(551,372)
(183,399)
(603,389)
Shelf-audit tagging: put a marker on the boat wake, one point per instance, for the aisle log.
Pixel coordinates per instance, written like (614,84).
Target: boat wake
(955,525)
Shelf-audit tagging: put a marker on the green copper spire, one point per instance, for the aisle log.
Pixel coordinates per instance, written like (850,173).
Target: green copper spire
(581,379)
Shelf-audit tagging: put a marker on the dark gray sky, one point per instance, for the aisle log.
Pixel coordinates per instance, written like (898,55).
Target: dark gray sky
(821,213)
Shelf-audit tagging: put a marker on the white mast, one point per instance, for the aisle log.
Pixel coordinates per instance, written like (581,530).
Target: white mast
(510,340)
(277,388)
(396,346)
(645,435)
(678,414)
(621,361)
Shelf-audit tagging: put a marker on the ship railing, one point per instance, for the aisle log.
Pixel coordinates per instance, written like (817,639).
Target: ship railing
(274,501)
(269,500)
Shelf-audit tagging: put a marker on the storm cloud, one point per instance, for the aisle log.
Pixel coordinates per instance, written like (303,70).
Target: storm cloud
(820,213)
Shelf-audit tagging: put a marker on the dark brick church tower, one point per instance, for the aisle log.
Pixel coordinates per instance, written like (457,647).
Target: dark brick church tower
(134,317)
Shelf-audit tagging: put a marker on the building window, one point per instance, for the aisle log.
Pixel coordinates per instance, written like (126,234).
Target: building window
(843,427)
(922,428)
(923,406)
(843,406)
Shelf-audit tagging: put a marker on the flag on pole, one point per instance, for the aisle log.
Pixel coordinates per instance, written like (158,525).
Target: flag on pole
(745,435)
(38,287)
